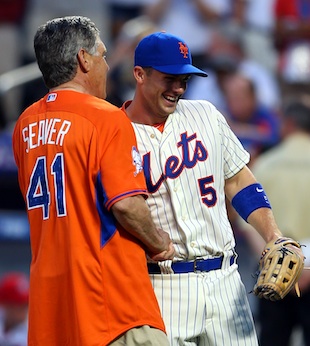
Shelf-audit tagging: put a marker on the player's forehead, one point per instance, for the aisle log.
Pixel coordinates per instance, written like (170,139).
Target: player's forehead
(101,48)
(175,76)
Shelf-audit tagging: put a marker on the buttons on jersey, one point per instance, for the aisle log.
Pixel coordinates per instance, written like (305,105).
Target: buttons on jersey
(193,244)
(152,135)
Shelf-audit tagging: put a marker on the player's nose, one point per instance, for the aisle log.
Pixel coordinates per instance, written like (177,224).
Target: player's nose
(179,86)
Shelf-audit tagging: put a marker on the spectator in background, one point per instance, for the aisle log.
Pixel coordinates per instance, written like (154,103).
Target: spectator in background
(284,172)
(256,126)
(121,11)
(226,55)
(11,16)
(14,291)
(221,60)
(40,11)
(292,40)
(122,84)
(257,25)
(193,20)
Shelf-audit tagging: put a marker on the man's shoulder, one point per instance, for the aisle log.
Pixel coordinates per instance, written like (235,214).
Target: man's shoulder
(95,109)
(100,104)
(193,102)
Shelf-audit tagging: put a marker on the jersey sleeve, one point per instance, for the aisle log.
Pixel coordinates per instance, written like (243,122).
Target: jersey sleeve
(235,156)
(121,164)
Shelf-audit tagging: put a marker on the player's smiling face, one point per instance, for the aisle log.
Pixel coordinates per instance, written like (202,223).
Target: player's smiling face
(162,92)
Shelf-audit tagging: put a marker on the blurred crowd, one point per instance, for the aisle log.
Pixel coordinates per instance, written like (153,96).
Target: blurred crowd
(264,42)
(256,54)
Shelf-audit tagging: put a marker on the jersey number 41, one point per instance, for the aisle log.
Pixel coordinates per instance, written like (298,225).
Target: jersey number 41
(38,193)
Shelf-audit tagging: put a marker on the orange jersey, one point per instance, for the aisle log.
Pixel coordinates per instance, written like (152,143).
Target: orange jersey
(76,156)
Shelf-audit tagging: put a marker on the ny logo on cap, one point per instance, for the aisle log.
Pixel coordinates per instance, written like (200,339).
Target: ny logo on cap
(183,49)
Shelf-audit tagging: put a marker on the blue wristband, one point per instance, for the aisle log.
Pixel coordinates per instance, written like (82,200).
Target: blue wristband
(249,199)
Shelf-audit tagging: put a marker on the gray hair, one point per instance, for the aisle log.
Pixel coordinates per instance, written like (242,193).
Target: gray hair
(57,43)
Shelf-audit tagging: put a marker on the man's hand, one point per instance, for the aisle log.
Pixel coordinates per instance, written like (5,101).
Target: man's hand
(134,216)
(167,254)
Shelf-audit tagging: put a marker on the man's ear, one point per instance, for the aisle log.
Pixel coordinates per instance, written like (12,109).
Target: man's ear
(139,74)
(83,59)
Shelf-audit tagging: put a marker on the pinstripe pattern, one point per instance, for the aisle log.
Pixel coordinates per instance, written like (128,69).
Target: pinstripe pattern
(186,166)
(205,309)
(197,230)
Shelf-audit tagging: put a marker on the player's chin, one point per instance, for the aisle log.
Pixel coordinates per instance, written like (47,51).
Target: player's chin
(169,107)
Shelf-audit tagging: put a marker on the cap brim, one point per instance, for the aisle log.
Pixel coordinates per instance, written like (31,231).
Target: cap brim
(180,69)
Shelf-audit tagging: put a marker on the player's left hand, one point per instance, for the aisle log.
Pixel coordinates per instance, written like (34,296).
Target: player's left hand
(280,267)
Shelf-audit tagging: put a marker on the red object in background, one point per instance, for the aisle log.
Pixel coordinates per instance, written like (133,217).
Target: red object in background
(12,11)
(14,289)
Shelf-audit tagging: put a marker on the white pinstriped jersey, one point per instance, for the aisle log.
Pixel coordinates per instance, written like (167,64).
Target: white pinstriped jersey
(185,167)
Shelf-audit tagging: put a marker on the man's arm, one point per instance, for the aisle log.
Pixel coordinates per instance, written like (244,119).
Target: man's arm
(134,216)
(262,219)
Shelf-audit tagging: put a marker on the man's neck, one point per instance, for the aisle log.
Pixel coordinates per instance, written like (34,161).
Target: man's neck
(138,114)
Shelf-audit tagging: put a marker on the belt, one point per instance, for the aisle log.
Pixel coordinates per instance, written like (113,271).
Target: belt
(200,265)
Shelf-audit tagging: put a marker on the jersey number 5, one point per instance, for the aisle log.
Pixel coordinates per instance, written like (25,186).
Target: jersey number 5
(207,192)
(38,193)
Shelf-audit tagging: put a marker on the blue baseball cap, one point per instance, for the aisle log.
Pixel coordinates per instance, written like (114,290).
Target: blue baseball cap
(166,53)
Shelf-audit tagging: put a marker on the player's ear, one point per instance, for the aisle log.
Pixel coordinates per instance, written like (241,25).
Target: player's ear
(83,59)
(139,74)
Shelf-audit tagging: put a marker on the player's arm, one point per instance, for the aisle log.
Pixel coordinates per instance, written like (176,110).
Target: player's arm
(249,199)
(134,216)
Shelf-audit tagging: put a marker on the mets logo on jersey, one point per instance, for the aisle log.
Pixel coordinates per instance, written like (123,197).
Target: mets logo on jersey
(136,160)
(183,49)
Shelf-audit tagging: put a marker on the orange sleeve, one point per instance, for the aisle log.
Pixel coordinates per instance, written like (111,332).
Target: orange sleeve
(121,164)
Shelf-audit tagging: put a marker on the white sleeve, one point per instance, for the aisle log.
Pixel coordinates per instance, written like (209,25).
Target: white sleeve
(234,154)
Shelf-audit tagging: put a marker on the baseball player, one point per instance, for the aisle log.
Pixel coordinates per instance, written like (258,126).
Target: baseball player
(84,191)
(191,161)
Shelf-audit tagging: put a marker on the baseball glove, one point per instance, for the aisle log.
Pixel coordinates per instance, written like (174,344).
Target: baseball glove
(280,267)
